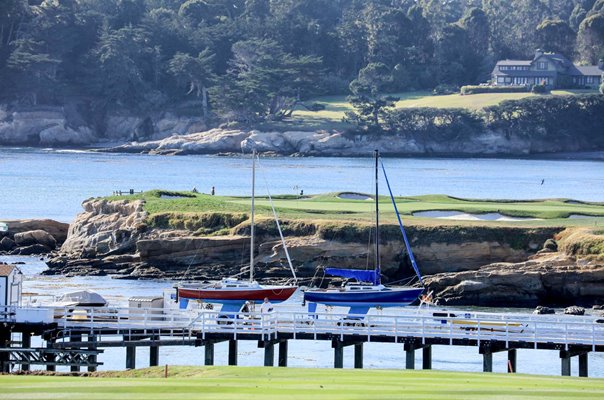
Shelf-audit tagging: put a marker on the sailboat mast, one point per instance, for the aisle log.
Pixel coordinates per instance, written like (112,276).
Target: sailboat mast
(377,222)
(253,212)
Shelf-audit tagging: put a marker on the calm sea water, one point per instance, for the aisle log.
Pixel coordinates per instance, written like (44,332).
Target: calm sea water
(52,184)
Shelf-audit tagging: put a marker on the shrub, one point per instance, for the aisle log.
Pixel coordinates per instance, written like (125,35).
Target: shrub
(493,89)
(539,89)
(444,89)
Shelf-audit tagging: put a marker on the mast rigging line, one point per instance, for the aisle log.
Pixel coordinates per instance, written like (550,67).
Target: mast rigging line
(400,224)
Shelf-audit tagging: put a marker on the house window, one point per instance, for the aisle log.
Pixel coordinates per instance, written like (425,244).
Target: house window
(542,65)
(500,79)
(590,80)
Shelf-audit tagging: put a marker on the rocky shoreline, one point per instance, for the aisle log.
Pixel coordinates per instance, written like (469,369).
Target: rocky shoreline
(480,266)
(70,126)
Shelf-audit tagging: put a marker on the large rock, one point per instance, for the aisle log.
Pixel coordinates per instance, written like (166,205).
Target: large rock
(30,238)
(105,228)
(32,249)
(549,278)
(7,244)
(58,230)
(185,251)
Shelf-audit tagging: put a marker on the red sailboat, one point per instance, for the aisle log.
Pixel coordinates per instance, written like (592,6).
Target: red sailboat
(231,292)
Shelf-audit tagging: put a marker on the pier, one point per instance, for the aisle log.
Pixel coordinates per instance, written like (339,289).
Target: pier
(76,338)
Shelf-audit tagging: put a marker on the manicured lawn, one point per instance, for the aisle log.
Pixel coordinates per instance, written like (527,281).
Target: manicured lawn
(291,383)
(337,106)
(330,206)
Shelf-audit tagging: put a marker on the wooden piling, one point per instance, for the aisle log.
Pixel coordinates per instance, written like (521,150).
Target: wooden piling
(282,353)
(233,352)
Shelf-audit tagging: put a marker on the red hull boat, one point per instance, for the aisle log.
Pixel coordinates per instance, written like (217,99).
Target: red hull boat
(221,292)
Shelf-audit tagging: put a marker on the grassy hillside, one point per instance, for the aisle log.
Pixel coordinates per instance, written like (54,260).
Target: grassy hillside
(291,383)
(333,206)
(337,106)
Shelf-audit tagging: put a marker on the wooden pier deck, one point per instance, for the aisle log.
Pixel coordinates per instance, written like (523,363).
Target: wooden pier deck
(415,329)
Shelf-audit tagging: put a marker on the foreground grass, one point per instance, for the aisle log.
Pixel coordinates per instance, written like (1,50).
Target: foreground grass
(292,383)
(552,212)
(337,106)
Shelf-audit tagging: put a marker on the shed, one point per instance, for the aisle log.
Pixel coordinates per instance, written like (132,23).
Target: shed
(11,281)
(151,306)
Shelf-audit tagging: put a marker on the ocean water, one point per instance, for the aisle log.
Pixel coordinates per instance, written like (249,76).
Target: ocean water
(304,354)
(38,183)
(52,184)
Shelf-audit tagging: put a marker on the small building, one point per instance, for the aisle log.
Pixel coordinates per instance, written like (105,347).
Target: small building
(146,307)
(553,70)
(11,280)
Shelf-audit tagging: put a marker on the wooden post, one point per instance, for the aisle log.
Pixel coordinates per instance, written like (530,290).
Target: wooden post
(512,361)
(358,355)
(487,361)
(154,353)
(130,357)
(583,365)
(26,344)
(427,357)
(50,358)
(282,353)
(409,356)
(4,357)
(565,364)
(269,354)
(338,354)
(232,352)
(75,338)
(209,353)
(92,339)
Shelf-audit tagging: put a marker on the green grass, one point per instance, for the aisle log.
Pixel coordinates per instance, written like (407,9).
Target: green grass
(294,383)
(552,212)
(336,106)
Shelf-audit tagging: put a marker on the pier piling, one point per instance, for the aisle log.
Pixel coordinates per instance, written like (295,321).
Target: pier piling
(283,353)
(154,353)
(92,339)
(209,353)
(26,344)
(130,357)
(269,354)
(427,357)
(583,365)
(512,361)
(233,352)
(4,357)
(74,337)
(358,355)
(487,361)
(338,353)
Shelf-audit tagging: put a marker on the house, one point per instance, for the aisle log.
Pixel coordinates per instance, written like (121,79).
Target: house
(11,279)
(553,70)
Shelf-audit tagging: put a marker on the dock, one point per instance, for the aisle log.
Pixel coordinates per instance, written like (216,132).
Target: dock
(77,337)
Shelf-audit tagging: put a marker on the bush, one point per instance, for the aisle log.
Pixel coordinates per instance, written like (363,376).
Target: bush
(539,89)
(493,89)
(444,89)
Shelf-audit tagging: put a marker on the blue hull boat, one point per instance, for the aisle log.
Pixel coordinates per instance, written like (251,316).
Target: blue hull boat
(368,292)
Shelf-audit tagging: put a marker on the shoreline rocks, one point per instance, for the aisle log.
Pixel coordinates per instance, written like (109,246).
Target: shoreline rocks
(29,237)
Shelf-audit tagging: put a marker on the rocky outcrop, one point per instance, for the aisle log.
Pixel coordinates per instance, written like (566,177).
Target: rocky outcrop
(105,228)
(323,143)
(69,126)
(548,278)
(27,237)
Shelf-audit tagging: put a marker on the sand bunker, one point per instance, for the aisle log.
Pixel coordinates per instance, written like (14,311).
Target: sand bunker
(354,196)
(460,216)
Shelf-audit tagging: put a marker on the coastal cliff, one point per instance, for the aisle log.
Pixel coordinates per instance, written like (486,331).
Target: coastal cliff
(475,265)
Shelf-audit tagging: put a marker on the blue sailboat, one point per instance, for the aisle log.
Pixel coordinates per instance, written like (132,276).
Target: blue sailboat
(367,291)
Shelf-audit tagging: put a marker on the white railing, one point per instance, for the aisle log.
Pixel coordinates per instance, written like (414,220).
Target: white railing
(411,322)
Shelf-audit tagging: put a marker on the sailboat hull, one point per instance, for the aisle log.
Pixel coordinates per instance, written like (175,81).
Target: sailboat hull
(275,294)
(389,297)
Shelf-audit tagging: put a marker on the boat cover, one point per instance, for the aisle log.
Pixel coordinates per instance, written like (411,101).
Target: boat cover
(360,275)
(82,297)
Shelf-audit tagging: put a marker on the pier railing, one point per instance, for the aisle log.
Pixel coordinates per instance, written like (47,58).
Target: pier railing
(421,324)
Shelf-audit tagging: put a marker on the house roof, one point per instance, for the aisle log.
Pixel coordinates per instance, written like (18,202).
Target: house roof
(523,63)
(526,73)
(588,70)
(6,270)
(559,58)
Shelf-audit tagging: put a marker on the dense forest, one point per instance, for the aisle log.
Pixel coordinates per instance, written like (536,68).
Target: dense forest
(249,60)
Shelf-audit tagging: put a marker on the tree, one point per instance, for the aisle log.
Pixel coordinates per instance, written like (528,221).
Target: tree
(590,39)
(556,36)
(196,73)
(264,82)
(367,98)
